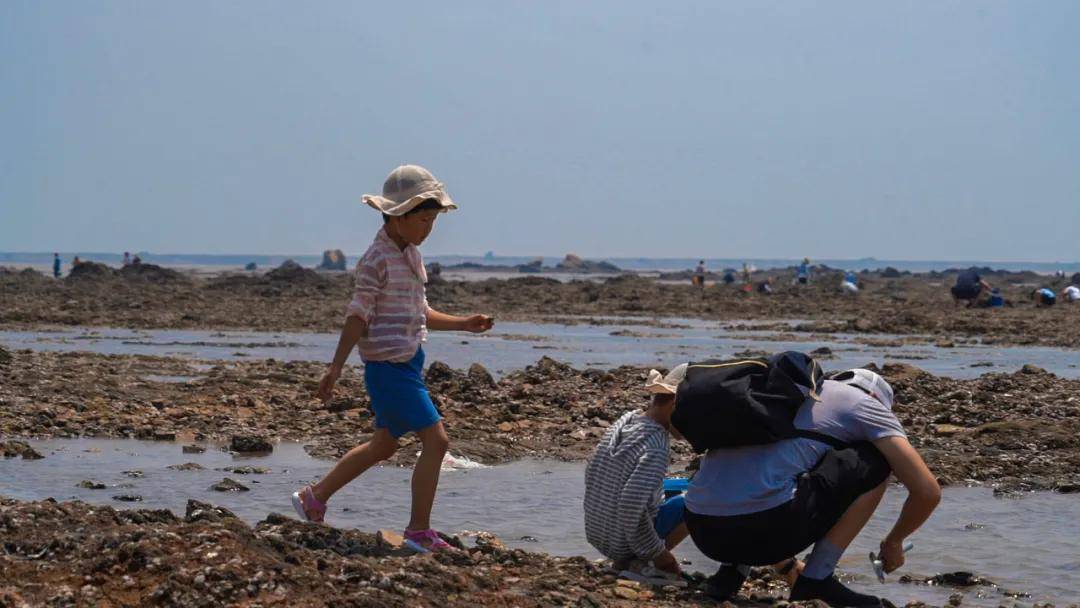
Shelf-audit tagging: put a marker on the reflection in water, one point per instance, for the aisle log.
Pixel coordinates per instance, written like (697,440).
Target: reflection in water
(1026,544)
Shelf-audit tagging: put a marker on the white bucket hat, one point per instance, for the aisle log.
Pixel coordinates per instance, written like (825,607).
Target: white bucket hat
(870,383)
(666,385)
(405,188)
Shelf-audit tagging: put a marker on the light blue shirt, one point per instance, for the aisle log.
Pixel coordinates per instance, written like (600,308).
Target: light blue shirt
(736,481)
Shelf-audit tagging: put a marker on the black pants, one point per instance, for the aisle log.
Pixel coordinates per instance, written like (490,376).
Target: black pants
(823,494)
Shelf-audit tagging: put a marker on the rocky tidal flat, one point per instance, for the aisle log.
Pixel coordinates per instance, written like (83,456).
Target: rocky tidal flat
(299,299)
(1014,431)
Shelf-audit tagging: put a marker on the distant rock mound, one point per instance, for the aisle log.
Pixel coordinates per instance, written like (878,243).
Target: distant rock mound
(574,263)
(91,270)
(152,273)
(536,265)
(890,273)
(333,259)
(291,272)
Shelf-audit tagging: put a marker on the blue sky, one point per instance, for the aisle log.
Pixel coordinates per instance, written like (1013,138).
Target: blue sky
(916,130)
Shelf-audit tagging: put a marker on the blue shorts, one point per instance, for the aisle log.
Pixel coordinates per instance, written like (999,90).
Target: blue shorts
(671,514)
(399,396)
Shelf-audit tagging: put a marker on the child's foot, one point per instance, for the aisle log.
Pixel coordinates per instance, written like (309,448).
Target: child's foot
(307,506)
(425,541)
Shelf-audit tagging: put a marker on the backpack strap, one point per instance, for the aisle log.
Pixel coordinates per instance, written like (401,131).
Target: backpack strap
(835,443)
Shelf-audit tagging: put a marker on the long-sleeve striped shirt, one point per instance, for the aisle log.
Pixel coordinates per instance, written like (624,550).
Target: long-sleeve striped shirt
(624,484)
(390,299)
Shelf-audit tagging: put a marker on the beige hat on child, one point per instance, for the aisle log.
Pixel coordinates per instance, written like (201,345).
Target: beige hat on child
(669,384)
(405,188)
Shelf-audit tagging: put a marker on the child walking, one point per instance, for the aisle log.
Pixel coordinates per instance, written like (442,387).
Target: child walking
(388,318)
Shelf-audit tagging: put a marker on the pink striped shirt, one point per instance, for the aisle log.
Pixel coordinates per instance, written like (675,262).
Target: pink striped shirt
(390,298)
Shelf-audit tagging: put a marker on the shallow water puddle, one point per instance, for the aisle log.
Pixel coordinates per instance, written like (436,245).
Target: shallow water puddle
(514,345)
(1023,544)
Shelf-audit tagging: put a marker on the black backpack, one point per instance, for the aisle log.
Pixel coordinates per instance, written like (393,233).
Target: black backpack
(725,404)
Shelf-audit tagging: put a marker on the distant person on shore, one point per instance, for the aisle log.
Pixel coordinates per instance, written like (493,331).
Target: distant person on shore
(761,505)
(850,284)
(75,262)
(765,287)
(127,258)
(802,274)
(747,283)
(626,518)
(698,279)
(1071,294)
(968,287)
(729,277)
(135,261)
(388,318)
(56,265)
(1043,297)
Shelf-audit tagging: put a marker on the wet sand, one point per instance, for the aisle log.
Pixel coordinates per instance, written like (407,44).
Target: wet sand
(304,300)
(1014,431)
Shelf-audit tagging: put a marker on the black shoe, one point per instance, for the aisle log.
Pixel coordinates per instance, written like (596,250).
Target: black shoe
(725,583)
(832,592)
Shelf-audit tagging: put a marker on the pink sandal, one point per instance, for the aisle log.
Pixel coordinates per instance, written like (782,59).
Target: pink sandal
(426,541)
(307,506)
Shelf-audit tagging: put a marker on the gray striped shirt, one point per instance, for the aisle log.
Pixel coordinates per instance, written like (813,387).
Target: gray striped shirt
(624,486)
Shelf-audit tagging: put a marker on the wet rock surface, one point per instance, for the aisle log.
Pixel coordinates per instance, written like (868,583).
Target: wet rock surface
(297,299)
(1014,431)
(76,554)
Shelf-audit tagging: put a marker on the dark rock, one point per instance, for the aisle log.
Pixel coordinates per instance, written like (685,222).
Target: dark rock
(250,443)
(478,374)
(291,272)
(534,266)
(134,474)
(91,270)
(151,272)
(890,273)
(5,356)
(438,372)
(193,449)
(1032,369)
(128,498)
(246,470)
(13,448)
(202,511)
(229,485)
(90,485)
(333,259)
(187,466)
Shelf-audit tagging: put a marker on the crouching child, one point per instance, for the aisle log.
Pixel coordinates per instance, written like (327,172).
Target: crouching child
(626,517)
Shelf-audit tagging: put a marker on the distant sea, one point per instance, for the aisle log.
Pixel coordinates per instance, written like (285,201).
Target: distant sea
(217,263)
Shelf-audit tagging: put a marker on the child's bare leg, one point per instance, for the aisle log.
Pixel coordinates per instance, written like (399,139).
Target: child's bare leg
(676,536)
(380,447)
(425,479)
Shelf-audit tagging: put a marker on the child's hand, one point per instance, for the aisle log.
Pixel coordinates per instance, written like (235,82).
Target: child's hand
(666,561)
(478,323)
(326,385)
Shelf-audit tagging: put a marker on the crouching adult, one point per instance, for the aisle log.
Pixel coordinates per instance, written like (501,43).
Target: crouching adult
(761,505)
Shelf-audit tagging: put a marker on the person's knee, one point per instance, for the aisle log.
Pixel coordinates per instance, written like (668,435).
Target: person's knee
(435,439)
(384,448)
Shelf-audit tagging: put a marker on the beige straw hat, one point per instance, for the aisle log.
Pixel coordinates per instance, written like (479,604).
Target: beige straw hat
(669,384)
(405,188)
